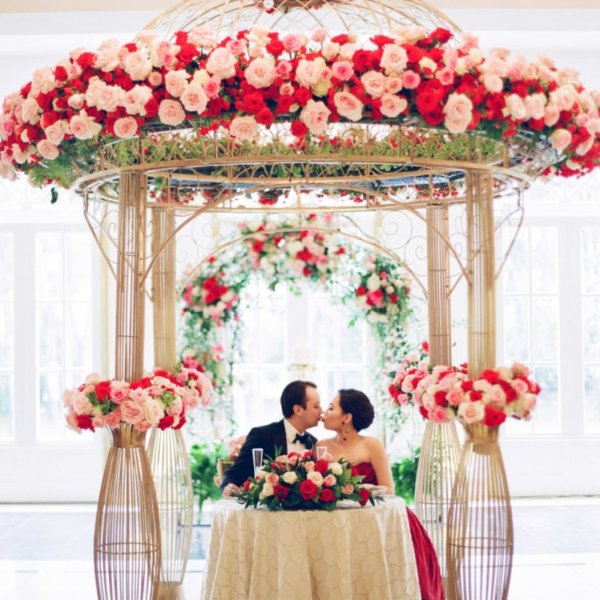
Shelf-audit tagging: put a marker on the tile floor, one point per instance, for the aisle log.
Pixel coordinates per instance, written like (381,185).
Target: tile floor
(46,553)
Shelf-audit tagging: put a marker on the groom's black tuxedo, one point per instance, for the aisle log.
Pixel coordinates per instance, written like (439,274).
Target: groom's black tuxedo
(267,437)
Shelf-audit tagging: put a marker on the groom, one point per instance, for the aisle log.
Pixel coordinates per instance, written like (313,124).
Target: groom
(301,409)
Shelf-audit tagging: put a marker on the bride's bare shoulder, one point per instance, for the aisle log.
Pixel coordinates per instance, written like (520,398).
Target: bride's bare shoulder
(372,442)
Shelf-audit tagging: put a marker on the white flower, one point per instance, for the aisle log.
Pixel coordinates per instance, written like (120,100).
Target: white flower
(267,491)
(290,477)
(315,477)
(336,468)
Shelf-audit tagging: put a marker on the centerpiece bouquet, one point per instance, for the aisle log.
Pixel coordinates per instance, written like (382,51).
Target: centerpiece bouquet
(302,482)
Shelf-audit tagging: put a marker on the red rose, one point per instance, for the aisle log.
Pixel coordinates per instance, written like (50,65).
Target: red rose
(382,40)
(322,466)
(281,492)
(247,485)
(475,395)
(299,129)
(423,412)
(60,73)
(151,108)
(302,95)
(490,376)
(326,495)
(265,117)
(103,391)
(187,53)
(275,46)
(341,39)
(182,422)
(364,496)
(86,59)
(440,398)
(308,490)
(166,422)
(84,422)
(493,417)
(252,103)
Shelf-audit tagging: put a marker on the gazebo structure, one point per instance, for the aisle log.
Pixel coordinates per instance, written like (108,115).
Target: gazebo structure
(356,105)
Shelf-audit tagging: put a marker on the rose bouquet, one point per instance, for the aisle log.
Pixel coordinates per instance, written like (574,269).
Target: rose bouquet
(444,393)
(301,482)
(159,400)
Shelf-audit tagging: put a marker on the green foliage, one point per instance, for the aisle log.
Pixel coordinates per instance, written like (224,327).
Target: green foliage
(203,463)
(404,474)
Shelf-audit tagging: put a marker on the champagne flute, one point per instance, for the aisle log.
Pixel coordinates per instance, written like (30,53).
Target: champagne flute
(257,459)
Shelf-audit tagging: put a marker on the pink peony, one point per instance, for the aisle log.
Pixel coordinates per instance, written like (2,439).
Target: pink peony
(459,113)
(348,106)
(244,128)
(170,112)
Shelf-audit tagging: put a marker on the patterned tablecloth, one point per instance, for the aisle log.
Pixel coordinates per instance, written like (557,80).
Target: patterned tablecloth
(354,553)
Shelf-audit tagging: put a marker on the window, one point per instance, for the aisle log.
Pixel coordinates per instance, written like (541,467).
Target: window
(7,337)
(63,292)
(531,318)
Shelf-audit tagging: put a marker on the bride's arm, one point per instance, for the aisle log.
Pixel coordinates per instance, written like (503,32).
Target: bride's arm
(381,464)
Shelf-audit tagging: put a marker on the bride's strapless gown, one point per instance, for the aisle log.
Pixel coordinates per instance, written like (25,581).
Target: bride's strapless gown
(430,579)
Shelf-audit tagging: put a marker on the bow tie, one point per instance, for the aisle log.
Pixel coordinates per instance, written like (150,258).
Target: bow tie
(304,439)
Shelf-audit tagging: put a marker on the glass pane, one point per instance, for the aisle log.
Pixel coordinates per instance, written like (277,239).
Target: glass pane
(516,329)
(516,270)
(544,260)
(268,406)
(78,338)
(591,329)
(51,420)
(546,418)
(78,266)
(352,340)
(354,378)
(273,332)
(6,407)
(324,332)
(50,335)
(7,266)
(48,261)
(6,335)
(590,265)
(545,328)
(592,399)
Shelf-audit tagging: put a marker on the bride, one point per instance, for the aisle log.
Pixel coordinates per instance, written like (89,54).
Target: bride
(349,413)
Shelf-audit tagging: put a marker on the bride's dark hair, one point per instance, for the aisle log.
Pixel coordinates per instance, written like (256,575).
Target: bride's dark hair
(357,404)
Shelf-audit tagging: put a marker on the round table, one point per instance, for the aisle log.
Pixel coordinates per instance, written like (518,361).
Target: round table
(349,553)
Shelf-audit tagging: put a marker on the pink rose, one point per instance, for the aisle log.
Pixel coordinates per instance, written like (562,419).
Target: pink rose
(167,54)
(194,98)
(535,105)
(459,113)
(392,106)
(155,79)
(203,37)
(137,65)
(109,98)
(56,132)
(563,97)
(132,412)
(108,55)
(583,148)
(329,481)
(81,405)
(272,478)
(143,426)
(244,128)
(309,466)
(126,127)
(551,115)
(348,106)
(342,70)
(84,127)
(515,107)
(318,35)
(261,72)
(292,42)
(455,396)
(445,76)
(212,87)
(47,150)
(76,101)
(283,68)
(438,414)
(135,100)
(393,59)
(170,112)
(236,46)
(374,83)
(30,111)
(347,489)
(492,83)
(221,63)
(410,80)
(114,418)
(560,139)
(315,116)
(176,82)
(471,412)
(308,72)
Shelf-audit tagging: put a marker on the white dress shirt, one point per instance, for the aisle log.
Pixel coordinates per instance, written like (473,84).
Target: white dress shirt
(290,434)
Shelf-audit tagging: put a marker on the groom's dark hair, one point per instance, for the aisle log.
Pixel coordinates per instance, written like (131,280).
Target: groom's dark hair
(294,393)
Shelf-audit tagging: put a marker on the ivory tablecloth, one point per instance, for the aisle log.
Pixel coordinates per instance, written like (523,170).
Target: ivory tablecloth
(360,553)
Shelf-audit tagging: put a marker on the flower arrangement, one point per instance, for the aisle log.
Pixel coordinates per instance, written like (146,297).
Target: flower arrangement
(445,393)
(159,400)
(242,84)
(301,482)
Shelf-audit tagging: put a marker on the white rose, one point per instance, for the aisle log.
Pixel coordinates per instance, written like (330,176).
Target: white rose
(373,283)
(316,478)
(267,491)
(336,468)
(290,477)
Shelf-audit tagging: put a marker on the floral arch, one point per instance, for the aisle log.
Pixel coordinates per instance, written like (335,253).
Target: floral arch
(373,284)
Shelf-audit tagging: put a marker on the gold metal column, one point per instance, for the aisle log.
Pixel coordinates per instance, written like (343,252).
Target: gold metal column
(440,448)
(480,528)
(168,455)
(126,537)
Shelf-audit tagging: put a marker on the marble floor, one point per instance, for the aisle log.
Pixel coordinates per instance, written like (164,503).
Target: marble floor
(46,553)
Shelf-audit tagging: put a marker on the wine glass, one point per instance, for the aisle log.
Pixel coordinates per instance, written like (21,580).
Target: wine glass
(257,459)
(321,452)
